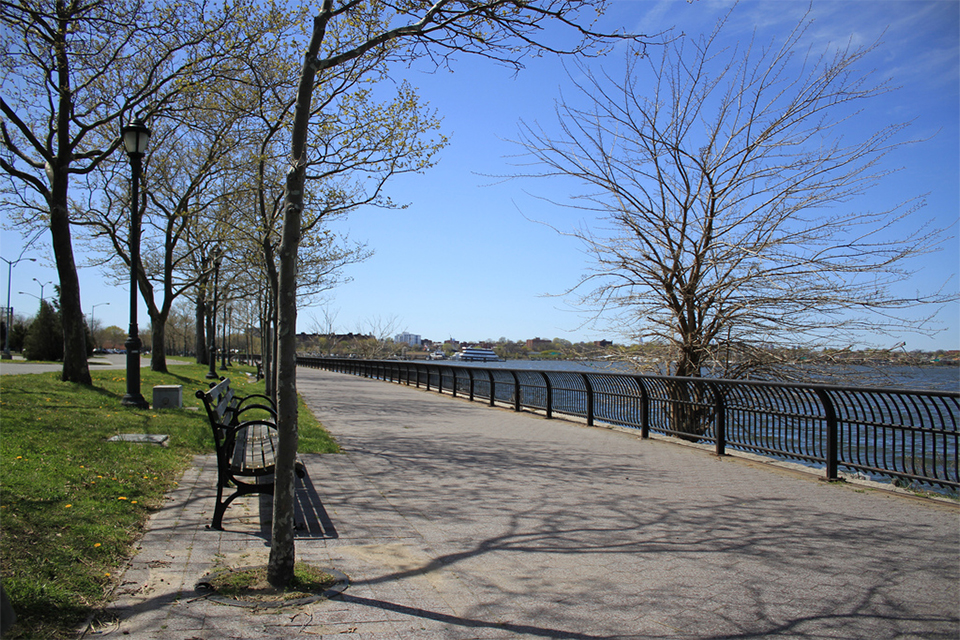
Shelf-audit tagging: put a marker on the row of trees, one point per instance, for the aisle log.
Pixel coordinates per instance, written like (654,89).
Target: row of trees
(249,108)
(217,89)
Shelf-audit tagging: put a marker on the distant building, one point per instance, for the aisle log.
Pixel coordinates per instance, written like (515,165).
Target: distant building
(538,344)
(411,339)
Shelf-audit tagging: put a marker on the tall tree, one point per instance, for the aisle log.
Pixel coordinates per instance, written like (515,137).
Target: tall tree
(73,72)
(724,177)
(367,135)
(501,30)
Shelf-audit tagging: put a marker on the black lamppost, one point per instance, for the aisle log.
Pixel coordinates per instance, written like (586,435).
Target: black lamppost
(212,356)
(223,340)
(135,139)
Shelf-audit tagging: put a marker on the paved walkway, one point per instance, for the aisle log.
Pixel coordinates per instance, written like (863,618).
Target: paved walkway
(455,520)
(17,365)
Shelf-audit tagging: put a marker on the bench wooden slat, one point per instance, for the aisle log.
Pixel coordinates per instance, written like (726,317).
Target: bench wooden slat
(255,448)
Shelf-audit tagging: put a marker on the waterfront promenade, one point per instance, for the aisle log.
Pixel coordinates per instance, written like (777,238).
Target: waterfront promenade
(456,520)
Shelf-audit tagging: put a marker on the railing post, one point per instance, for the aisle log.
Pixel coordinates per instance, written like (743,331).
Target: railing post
(546,381)
(516,390)
(644,409)
(470,375)
(833,434)
(453,383)
(589,387)
(720,426)
(493,388)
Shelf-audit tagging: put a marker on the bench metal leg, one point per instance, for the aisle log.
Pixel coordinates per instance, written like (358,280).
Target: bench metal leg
(242,490)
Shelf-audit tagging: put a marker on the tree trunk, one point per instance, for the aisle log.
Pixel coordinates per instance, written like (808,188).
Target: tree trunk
(209,310)
(158,346)
(270,320)
(200,339)
(282,549)
(75,368)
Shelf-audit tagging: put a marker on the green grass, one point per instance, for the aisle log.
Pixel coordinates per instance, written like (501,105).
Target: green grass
(72,505)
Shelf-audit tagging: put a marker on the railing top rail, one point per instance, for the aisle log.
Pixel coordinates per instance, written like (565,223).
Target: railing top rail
(718,381)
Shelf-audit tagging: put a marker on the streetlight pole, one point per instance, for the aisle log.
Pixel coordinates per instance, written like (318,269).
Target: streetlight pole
(93,321)
(6,341)
(135,139)
(42,285)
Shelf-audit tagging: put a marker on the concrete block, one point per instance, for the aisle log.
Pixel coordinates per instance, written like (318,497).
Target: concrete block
(168,396)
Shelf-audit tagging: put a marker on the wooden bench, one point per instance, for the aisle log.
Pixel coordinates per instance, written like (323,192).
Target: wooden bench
(246,449)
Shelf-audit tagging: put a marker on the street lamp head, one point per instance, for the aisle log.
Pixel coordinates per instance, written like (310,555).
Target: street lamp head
(12,263)
(135,137)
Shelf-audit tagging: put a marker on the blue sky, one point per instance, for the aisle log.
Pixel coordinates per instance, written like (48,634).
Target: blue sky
(466,260)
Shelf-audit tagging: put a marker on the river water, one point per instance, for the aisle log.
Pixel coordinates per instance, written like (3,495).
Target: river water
(925,378)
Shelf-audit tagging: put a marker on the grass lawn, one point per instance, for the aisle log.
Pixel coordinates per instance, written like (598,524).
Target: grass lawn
(72,505)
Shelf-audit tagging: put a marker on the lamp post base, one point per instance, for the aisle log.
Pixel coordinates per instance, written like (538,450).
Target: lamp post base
(6,356)
(136,401)
(133,397)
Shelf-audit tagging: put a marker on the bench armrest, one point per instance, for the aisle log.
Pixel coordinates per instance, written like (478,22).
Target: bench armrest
(269,409)
(255,396)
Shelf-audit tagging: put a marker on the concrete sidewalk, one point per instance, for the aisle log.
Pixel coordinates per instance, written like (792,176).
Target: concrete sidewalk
(455,520)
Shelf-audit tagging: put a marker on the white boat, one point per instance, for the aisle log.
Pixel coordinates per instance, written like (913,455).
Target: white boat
(477,354)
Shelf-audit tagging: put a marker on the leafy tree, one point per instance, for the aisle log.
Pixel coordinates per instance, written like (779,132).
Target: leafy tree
(44,340)
(501,30)
(18,332)
(715,171)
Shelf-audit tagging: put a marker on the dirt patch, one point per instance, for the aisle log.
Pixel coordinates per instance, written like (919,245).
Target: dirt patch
(248,586)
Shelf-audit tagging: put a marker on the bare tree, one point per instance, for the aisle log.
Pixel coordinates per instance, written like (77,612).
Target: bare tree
(722,177)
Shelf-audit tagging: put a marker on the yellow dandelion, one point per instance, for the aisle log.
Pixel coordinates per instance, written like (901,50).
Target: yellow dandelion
(122,498)
(68,506)
(133,502)
(97,544)
(19,457)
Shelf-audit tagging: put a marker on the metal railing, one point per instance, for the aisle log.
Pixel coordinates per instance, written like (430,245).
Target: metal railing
(910,436)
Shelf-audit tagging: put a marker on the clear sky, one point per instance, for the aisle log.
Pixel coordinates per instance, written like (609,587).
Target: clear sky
(466,259)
